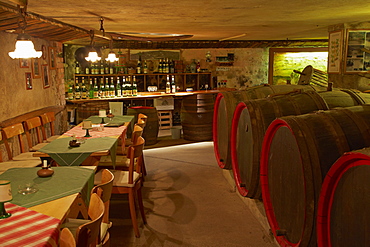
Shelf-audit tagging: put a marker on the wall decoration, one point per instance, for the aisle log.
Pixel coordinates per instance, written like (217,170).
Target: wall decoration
(44,52)
(52,57)
(45,75)
(24,63)
(36,70)
(335,51)
(28,81)
(357,57)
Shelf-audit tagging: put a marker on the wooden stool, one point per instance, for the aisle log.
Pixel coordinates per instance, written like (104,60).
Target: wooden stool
(165,119)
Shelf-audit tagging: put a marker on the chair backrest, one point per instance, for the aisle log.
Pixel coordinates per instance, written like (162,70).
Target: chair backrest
(66,238)
(135,154)
(88,234)
(104,191)
(142,117)
(48,118)
(12,131)
(30,125)
(138,131)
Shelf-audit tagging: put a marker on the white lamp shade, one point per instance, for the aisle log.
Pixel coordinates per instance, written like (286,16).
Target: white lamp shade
(24,49)
(112,57)
(86,124)
(93,56)
(102,113)
(5,191)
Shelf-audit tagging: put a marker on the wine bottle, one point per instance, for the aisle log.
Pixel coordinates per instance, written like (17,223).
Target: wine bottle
(138,66)
(129,87)
(124,92)
(91,89)
(96,88)
(168,85)
(70,92)
(101,68)
(77,68)
(106,68)
(107,88)
(160,67)
(198,67)
(87,69)
(111,69)
(112,89)
(102,89)
(145,68)
(118,88)
(83,89)
(173,84)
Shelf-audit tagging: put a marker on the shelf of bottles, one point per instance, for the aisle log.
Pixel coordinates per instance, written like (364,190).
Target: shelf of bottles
(99,81)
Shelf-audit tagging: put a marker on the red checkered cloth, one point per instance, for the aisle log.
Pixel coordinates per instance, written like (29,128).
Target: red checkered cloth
(108,131)
(26,227)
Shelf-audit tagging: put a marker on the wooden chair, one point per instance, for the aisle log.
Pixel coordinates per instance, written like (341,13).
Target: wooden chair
(130,182)
(87,232)
(122,162)
(103,189)
(66,238)
(15,164)
(16,130)
(47,119)
(32,127)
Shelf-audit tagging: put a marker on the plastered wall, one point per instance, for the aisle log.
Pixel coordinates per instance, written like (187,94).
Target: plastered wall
(15,99)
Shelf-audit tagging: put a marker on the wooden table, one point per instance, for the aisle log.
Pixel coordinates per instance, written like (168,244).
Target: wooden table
(87,155)
(36,217)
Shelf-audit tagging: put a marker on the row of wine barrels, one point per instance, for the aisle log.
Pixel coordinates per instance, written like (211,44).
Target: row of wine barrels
(151,129)
(252,118)
(343,218)
(197,117)
(224,107)
(297,152)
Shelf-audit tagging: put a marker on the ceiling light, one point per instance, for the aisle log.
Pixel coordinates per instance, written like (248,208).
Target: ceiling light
(112,57)
(24,48)
(93,56)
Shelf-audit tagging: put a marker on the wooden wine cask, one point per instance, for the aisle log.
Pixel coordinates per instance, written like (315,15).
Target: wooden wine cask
(197,117)
(224,106)
(151,128)
(252,118)
(343,218)
(297,152)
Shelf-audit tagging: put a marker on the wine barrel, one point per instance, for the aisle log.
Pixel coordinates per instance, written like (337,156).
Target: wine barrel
(297,152)
(197,116)
(252,118)
(224,107)
(313,76)
(151,129)
(343,218)
(89,109)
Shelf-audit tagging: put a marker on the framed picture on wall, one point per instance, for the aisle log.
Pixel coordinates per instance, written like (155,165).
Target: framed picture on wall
(45,75)
(44,52)
(335,51)
(24,63)
(52,57)
(28,81)
(36,71)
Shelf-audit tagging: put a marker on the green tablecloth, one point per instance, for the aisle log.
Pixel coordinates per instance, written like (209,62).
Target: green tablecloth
(116,120)
(65,181)
(60,151)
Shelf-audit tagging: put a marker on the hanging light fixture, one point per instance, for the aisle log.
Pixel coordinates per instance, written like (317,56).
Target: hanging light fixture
(24,47)
(93,55)
(111,56)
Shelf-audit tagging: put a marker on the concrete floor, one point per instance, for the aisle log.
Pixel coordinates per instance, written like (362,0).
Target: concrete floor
(190,201)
